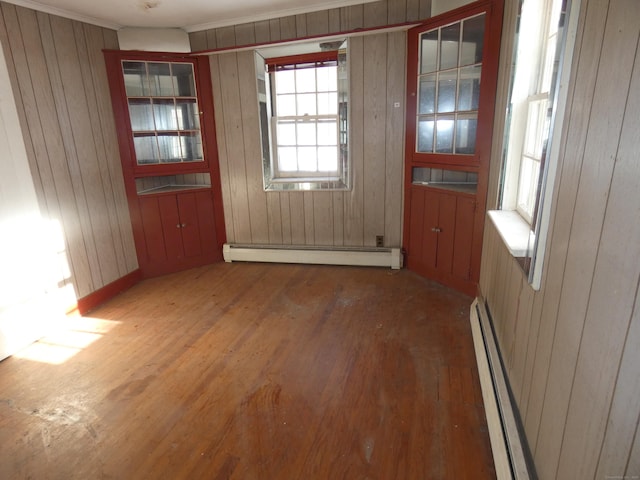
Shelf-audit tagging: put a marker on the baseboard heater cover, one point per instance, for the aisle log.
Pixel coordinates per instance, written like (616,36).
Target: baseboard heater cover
(373,257)
(506,444)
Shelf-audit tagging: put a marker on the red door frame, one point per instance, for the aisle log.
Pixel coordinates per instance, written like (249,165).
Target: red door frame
(479,162)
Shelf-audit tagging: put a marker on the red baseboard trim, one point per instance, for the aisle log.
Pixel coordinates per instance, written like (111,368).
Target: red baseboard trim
(91,301)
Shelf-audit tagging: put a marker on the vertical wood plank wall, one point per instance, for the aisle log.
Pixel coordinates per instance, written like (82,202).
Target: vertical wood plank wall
(377,82)
(572,349)
(59,80)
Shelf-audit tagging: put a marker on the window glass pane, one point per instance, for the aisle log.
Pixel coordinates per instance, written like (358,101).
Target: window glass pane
(536,129)
(528,185)
(327,79)
(449,46)
(169,148)
(191,147)
(146,149)
(141,114)
(183,79)
(287,159)
(447,82)
(427,100)
(306,133)
(425,134)
(307,161)
(285,81)
(164,112)
(160,82)
(188,114)
(286,133)
(328,159)
(136,82)
(286,105)
(469,88)
(466,134)
(328,103)
(306,80)
(328,132)
(444,135)
(306,104)
(429,52)
(472,40)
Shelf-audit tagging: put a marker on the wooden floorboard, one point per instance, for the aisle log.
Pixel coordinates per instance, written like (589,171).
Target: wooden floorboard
(253,371)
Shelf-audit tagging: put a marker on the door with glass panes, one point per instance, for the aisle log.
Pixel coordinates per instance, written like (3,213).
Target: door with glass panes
(451,82)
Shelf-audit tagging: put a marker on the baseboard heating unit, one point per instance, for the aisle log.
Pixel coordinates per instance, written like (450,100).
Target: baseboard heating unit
(365,257)
(506,443)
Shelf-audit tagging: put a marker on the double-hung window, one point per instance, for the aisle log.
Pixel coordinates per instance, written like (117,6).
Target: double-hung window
(305,114)
(538,95)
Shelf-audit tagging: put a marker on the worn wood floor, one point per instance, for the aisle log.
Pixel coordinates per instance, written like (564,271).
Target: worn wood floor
(253,371)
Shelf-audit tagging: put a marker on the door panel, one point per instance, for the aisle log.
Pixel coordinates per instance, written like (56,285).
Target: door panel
(152,227)
(189,222)
(171,226)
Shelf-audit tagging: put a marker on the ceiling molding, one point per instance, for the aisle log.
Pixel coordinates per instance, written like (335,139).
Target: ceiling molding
(64,13)
(274,14)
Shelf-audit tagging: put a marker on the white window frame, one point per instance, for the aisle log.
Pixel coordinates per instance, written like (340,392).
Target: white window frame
(530,216)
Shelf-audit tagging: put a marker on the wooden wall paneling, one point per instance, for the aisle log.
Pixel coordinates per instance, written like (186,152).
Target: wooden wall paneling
(217,78)
(323,218)
(212,39)
(488,256)
(609,100)
(42,178)
(263,31)
(82,143)
(301,26)
(110,228)
(110,38)
(425,9)
(633,466)
(225,37)
(375,14)
(198,41)
(283,200)
(525,298)
(245,34)
(93,36)
(334,20)
(274,29)
(396,84)
(309,225)
(615,279)
(235,148)
(413,10)
(337,202)
(352,17)
(396,11)
(512,297)
(288,27)
(317,23)
(46,136)
(623,418)
(354,199)
(274,218)
(297,225)
(374,129)
(252,146)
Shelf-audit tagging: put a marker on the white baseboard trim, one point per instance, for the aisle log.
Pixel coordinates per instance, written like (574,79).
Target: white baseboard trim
(373,257)
(506,444)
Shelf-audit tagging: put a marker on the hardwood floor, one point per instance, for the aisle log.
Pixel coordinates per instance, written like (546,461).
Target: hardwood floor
(253,371)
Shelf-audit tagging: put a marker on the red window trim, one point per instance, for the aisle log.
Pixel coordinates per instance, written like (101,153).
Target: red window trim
(306,60)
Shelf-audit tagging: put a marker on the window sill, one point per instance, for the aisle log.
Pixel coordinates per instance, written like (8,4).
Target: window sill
(514,230)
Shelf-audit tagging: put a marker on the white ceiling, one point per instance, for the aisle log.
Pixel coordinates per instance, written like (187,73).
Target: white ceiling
(191,15)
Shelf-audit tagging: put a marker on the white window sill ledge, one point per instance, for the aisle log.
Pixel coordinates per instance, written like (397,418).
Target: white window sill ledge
(514,231)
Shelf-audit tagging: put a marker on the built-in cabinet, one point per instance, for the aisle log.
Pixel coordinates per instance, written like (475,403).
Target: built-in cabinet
(166,133)
(451,80)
